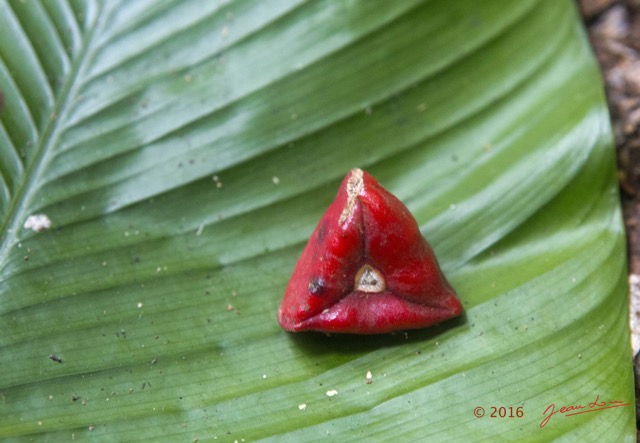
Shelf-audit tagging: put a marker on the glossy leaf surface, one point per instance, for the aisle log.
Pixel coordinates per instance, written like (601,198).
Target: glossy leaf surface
(184,152)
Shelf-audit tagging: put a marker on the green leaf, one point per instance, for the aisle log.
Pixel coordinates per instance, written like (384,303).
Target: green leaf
(184,152)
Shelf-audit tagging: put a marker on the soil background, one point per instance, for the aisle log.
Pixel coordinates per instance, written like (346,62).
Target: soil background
(614,31)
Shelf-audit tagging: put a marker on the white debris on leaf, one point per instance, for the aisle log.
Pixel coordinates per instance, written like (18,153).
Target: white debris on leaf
(302,406)
(37,222)
(331,392)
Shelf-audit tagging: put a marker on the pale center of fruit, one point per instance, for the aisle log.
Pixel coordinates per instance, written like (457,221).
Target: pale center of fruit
(369,279)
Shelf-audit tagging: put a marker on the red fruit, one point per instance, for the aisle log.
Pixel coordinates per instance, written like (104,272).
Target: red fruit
(366,269)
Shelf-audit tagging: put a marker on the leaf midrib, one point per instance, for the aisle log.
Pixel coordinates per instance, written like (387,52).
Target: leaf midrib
(49,135)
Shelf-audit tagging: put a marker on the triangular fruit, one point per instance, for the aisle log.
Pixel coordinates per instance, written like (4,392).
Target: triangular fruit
(366,269)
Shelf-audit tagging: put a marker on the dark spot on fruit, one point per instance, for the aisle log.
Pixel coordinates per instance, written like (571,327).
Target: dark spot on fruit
(322,232)
(317,286)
